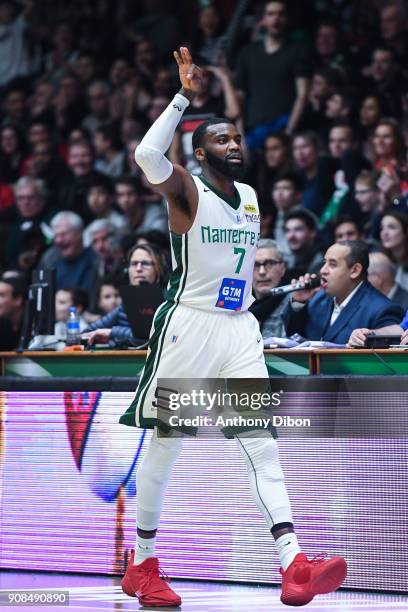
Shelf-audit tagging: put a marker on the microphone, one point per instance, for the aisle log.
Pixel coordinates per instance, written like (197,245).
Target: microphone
(283,289)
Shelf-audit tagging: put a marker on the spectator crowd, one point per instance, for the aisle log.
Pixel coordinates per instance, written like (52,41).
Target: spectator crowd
(319,90)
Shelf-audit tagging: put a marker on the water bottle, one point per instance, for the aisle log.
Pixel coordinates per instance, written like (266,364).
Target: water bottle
(73,332)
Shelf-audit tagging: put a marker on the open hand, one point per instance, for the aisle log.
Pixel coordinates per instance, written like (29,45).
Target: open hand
(190,74)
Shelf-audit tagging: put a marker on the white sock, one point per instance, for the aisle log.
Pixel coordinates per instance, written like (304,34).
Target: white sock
(145,548)
(288,547)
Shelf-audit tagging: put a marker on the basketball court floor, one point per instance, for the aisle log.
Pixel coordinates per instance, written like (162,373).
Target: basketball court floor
(103,593)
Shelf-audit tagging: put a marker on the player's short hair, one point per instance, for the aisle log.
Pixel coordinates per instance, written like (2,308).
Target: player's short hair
(358,254)
(200,131)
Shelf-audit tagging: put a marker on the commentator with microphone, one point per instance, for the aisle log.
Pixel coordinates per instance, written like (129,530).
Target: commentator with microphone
(307,282)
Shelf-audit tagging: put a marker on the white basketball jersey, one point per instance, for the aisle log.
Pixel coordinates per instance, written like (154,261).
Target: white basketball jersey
(213,262)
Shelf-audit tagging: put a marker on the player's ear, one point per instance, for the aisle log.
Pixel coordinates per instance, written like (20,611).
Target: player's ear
(199,154)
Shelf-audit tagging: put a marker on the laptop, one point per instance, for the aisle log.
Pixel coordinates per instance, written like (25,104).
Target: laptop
(140,303)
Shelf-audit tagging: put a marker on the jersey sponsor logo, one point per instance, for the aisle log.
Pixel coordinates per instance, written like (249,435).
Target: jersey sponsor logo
(228,236)
(253,218)
(250,208)
(231,294)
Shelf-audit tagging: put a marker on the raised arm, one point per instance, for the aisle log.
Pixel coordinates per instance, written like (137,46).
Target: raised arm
(174,182)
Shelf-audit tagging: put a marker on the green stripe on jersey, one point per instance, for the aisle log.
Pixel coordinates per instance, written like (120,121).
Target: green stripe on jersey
(161,323)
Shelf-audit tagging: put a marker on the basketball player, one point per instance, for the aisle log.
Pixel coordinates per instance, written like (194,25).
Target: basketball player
(203,331)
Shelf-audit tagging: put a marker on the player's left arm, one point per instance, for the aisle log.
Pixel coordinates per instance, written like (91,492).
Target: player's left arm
(302,90)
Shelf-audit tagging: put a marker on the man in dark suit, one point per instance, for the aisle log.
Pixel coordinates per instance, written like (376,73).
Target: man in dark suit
(345,301)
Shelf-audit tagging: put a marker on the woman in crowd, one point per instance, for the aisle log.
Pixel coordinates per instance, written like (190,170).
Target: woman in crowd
(370,114)
(389,158)
(276,160)
(317,171)
(11,154)
(394,238)
(145,265)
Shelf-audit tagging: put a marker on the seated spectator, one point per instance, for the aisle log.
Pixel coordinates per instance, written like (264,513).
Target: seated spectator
(394,238)
(40,103)
(107,296)
(64,300)
(349,162)
(144,265)
(75,265)
(275,160)
(327,45)
(35,244)
(63,52)
(140,217)
(73,191)
(346,228)
(389,158)
(105,240)
(207,38)
(381,274)
(269,270)
(12,152)
(69,107)
(13,107)
(110,160)
(346,300)
(98,102)
(301,232)
(85,67)
(369,115)
(45,163)
(338,107)
(385,79)
(316,171)
(394,31)
(322,87)
(100,200)
(12,299)
(370,201)
(158,239)
(31,204)
(286,194)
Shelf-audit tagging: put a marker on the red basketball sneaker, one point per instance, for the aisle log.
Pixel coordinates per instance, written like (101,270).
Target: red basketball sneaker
(148,583)
(304,579)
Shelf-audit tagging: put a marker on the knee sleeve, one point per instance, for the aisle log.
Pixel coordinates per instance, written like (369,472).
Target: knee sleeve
(261,455)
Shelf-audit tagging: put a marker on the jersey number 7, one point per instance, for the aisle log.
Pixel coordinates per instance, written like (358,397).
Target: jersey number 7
(241,252)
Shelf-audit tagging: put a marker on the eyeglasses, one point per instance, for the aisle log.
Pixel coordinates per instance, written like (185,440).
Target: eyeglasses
(144,263)
(268,264)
